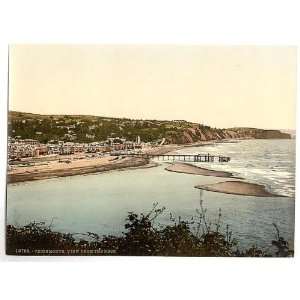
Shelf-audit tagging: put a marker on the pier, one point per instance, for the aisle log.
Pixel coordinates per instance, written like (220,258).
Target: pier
(181,157)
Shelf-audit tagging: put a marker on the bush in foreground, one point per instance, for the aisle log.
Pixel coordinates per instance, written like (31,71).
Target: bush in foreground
(196,237)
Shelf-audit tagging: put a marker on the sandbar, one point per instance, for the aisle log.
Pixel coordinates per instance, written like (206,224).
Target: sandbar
(238,188)
(191,169)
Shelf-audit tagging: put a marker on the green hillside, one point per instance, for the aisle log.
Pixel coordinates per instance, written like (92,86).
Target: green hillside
(86,128)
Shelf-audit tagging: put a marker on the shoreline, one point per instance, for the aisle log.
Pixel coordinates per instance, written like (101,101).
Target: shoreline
(213,142)
(236,187)
(50,167)
(125,163)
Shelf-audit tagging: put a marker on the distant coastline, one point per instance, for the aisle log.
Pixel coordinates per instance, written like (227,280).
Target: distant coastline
(87,129)
(149,136)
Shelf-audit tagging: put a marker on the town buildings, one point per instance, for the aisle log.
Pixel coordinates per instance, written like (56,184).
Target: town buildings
(21,148)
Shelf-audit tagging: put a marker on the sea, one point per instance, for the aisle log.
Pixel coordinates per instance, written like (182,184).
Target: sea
(100,202)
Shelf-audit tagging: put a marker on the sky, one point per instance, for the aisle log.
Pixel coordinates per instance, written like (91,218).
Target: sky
(238,86)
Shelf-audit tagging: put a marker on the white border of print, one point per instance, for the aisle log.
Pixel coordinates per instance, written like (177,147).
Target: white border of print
(228,22)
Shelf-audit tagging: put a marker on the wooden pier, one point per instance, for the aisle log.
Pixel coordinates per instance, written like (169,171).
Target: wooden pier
(181,157)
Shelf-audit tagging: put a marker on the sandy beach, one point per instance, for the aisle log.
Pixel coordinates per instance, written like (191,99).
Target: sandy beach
(163,149)
(237,188)
(78,167)
(78,164)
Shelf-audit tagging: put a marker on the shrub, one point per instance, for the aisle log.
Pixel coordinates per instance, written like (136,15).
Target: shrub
(195,237)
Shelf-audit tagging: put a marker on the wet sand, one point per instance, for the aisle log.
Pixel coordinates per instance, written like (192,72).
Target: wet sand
(238,188)
(191,169)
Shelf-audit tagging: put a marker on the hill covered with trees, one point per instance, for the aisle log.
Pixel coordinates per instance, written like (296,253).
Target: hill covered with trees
(86,128)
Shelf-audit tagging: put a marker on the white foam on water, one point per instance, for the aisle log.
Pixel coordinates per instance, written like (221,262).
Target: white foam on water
(268,162)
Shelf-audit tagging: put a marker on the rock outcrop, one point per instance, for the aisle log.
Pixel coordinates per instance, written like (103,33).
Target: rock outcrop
(204,133)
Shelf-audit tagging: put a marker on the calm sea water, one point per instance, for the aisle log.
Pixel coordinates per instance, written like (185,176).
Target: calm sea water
(100,202)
